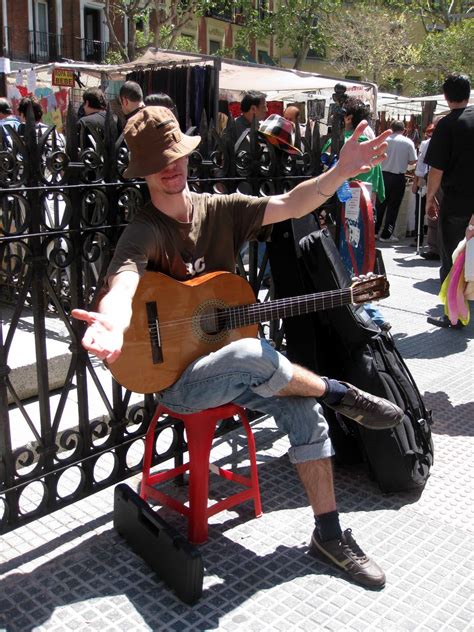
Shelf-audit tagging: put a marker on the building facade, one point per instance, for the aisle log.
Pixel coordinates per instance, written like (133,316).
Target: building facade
(43,31)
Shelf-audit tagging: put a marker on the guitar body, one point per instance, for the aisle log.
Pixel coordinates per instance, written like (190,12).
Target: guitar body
(174,323)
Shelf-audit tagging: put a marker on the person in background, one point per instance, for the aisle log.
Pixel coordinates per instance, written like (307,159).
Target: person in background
(55,139)
(419,186)
(95,112)
(401,153)
(95,109)
(6,114)
(131,99)
(253,104)
(163,99)
(450,156)
(293,114)
(355,112)
(23,106)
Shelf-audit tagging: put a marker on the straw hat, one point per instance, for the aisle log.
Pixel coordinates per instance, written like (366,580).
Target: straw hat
(155,140)
(278,131)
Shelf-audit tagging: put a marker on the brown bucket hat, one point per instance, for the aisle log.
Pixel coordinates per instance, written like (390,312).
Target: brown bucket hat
(155,140)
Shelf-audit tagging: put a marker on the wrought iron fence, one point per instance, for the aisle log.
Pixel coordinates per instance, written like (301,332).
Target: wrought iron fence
(64,202)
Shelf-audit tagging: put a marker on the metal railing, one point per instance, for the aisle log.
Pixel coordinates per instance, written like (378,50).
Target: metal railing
(45,47)
(34,46)
(94,50)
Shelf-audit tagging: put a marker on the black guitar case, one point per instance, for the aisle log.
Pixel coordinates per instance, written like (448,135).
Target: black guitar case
(345,343)
(177,562)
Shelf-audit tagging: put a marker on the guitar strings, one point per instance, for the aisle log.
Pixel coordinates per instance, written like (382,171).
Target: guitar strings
(254,309)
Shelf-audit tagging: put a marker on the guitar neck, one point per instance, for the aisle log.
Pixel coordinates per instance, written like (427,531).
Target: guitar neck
(244,315)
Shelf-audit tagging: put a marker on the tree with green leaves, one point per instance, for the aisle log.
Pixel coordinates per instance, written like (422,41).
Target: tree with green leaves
(119,11)
(295,24)
(168,20)
(450,50)
(373,41)
(435,14)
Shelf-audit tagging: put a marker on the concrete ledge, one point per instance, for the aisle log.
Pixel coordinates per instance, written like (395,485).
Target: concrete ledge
(24,378)
(22,354)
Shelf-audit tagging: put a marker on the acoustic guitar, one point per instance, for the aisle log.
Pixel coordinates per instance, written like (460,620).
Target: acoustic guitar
(176,322)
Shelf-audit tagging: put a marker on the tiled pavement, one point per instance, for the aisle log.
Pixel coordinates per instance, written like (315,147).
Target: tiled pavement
(72,571)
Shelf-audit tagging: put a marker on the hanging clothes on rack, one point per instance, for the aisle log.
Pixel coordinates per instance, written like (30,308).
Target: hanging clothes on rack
(192,88)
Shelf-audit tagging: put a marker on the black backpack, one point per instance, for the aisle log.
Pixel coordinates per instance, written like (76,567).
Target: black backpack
(345,343)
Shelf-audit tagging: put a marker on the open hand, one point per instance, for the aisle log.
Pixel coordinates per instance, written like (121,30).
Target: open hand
(102,338)
(356,157)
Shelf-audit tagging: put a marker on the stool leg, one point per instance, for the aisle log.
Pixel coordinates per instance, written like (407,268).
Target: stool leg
(253,462)
(148,455)
(200,433)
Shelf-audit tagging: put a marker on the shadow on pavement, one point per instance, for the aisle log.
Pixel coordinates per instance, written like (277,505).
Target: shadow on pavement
(450,420)
(104,566)
(430,286)
(434,344)
(419,262)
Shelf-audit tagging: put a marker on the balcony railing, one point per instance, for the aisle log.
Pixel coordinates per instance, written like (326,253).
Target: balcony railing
(33,46)
(45,47)
(94,50)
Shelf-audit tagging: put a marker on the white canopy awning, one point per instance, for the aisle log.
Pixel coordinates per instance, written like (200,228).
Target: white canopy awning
(237,77)
(395,104)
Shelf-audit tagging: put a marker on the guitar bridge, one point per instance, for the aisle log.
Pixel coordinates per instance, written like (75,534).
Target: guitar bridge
(154,333)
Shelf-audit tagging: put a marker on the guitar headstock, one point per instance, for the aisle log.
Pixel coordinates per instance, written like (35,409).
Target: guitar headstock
(369,287)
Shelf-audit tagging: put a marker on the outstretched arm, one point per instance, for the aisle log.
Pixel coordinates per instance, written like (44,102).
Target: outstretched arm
(355,157)
(106,327)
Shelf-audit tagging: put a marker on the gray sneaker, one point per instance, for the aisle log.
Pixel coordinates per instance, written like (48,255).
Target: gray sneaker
(346,554)
(368,410)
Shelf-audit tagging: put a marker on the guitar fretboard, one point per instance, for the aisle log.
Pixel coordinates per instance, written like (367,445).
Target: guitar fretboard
(245,315)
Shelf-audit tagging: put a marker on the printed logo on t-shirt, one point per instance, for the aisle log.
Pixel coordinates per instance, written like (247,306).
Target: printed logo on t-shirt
(196,267)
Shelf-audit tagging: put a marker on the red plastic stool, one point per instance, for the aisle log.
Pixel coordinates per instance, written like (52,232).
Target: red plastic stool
(200,428)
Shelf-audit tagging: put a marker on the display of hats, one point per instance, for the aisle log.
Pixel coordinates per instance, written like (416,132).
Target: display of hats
(278,131)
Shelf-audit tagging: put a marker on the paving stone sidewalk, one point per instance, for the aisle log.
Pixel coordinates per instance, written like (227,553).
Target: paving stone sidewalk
(70,570)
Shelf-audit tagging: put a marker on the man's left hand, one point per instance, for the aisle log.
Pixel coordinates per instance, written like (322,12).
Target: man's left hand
(356,157)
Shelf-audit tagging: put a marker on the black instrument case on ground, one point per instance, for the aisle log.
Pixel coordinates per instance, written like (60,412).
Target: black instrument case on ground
(344,343)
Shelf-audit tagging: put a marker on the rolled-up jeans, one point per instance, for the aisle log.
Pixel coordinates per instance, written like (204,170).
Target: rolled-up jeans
(249,372)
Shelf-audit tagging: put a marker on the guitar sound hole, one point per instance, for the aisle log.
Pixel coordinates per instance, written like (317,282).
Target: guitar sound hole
(213,321)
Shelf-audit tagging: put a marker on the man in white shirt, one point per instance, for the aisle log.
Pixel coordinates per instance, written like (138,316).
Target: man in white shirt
(401,152)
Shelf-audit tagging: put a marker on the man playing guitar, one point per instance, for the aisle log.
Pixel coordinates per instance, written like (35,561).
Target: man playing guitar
(183,234)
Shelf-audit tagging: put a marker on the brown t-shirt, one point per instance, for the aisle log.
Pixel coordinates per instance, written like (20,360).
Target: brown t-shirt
(211,241)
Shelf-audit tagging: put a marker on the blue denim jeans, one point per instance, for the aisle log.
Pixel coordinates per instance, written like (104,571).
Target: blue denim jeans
(249,372)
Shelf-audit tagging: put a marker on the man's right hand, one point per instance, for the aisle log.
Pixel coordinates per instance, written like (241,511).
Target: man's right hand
(432,208)
(103,337)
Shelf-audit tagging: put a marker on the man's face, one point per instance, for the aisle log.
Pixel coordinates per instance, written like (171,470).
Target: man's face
(172,179)
(260,110)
